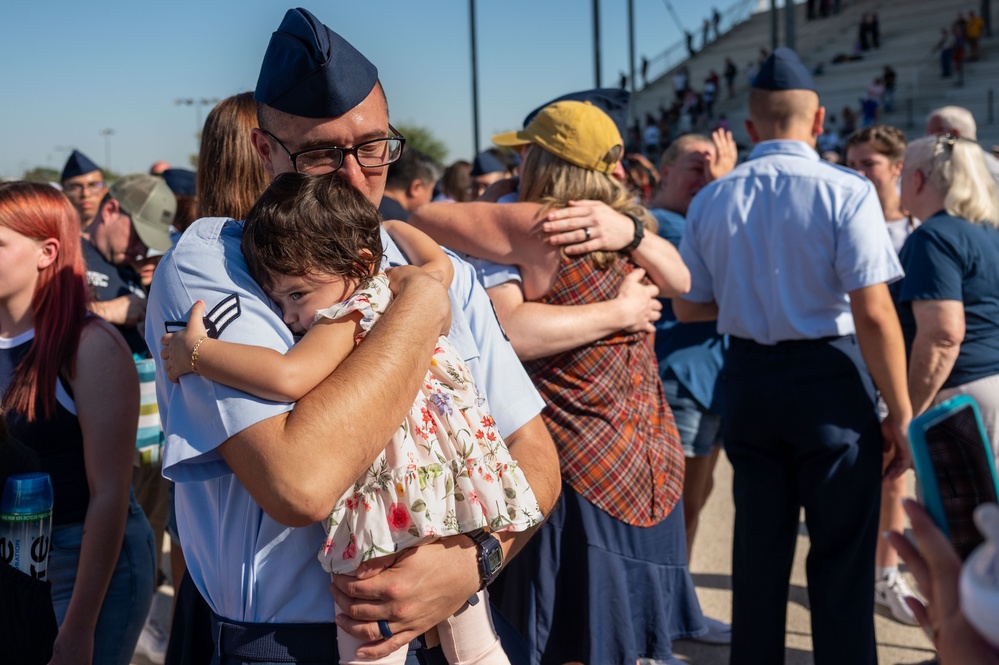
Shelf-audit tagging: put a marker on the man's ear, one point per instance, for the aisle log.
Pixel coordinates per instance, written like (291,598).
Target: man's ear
(264,149)
(109,209)
(819,121)
(416,186)
(663,174)
(754,135)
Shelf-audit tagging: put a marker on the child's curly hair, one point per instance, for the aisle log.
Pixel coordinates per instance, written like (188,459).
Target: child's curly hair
(308,224)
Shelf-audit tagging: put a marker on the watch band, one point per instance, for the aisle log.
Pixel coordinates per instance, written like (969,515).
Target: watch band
(639,234)
(490,555)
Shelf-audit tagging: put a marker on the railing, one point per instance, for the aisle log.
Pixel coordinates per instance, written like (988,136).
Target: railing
(676,53)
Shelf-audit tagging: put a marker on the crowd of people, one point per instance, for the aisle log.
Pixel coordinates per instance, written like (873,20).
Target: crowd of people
(366,448)
(959,42)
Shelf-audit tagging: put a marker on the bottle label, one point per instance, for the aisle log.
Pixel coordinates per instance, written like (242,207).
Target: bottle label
(25,545)
(26,517)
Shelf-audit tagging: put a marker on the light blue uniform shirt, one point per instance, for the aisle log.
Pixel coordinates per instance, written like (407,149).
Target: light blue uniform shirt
(249,567)
(780,241)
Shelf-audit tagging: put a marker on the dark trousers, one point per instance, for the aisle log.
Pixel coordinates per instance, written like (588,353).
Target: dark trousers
(801,430)
(196,630)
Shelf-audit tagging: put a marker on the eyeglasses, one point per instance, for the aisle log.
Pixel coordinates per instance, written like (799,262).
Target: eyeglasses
(369,154)
(80,187)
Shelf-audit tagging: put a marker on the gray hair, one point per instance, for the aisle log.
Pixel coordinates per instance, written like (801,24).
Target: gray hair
(955,166)
(956,119)
(413,165)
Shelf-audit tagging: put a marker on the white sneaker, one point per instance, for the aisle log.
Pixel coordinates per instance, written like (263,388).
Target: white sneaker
(719,632)
(890,592)
(152,643)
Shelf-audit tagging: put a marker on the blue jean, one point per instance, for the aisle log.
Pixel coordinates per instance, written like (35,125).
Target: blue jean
(946,55)
(699,428)
(129,594)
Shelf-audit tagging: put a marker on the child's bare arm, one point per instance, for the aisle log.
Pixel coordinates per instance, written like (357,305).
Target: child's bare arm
(256,370)
(421,250)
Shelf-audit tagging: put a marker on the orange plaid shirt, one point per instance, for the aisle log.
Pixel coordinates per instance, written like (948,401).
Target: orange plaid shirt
(617,443)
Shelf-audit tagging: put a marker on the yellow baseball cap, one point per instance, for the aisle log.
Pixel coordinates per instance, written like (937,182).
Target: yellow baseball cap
(578,132)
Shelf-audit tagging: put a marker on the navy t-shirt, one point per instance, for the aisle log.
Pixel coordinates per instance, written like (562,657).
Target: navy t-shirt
(107,282)
(949,258)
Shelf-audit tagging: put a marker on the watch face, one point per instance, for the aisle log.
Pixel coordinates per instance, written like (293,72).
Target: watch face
(494,561)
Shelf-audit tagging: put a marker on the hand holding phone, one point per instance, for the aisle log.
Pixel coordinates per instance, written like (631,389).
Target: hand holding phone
(955,468)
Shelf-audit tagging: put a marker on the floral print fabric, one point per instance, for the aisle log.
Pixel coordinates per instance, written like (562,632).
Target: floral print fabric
(446,470)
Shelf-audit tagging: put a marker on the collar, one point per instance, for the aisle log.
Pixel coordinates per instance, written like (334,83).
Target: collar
(784,147)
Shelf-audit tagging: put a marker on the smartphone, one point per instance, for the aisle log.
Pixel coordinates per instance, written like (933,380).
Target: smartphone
(955,468)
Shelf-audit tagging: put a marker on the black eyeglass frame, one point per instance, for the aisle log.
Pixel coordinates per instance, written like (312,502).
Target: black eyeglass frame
(293,156)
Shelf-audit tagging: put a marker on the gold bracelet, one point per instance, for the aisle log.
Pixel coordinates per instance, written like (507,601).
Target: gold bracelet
(194,354)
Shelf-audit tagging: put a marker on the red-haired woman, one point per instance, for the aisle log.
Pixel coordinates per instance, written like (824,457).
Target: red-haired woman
(70,391)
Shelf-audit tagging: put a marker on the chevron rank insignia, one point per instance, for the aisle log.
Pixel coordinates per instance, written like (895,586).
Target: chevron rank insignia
(217,320)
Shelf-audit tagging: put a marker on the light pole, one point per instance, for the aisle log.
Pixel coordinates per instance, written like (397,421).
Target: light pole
(475,79)
(107,133)
(198,104)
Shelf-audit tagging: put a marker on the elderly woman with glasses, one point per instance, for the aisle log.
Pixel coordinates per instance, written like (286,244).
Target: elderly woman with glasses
(948,303)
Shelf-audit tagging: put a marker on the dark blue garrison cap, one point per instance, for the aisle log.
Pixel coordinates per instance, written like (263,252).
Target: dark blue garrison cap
(180,181)
(78,164)
(312,72)
(782,70)
(612,101)
(486,162)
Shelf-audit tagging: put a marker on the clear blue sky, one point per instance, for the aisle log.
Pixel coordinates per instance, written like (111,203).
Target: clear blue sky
(71,69)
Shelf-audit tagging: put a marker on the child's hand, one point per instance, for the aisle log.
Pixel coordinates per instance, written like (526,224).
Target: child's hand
(178,346)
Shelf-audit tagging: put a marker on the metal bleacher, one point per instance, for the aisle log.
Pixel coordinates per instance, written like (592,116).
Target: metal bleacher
(908,29)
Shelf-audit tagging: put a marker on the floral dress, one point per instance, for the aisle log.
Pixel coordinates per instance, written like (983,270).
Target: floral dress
(446,470)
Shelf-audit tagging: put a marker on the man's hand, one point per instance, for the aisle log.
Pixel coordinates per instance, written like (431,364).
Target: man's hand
(403,278)
(725,155)
(639,306)
(588,226)
(412,591)
(127,310)
(896,457)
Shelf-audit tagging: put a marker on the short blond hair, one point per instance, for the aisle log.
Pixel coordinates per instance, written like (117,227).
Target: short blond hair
(955,119)
(680,147)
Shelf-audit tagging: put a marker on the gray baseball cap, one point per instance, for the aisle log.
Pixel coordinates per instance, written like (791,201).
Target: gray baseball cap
(149,202)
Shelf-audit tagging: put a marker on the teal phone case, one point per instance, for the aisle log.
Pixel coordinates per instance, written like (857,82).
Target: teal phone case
(954,484)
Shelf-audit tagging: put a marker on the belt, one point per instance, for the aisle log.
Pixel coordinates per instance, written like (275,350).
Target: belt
(744,344)
(281,642)
(276,642)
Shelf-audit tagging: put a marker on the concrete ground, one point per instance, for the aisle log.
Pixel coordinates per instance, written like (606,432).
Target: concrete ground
(711,567)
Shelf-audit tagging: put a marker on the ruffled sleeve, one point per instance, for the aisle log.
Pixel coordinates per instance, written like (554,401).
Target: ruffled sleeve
(371,299)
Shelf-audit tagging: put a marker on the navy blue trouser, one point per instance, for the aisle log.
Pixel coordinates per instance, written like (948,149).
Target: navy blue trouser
(196,630)
(801,430)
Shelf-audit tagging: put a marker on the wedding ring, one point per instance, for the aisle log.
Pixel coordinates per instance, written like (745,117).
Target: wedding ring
(384,629)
